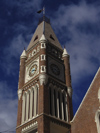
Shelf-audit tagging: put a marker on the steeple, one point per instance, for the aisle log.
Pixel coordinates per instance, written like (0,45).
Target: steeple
(49,34)
(44,90)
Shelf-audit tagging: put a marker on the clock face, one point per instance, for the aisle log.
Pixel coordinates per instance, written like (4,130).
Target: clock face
(32,70)
(55,69)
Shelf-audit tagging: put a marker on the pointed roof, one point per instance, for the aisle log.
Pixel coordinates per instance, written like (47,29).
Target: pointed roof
(49,35)
(65,53)
(23,55)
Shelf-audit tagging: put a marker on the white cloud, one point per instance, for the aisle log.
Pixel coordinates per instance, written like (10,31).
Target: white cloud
(8,107)
(79,30)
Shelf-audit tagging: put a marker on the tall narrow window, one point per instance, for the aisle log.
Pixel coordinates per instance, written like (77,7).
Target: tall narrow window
(64,107)
(55,103)
(59,105)
(50,101)
(37,101)
(97,120)
(33,105)
(29,107)
(25,107)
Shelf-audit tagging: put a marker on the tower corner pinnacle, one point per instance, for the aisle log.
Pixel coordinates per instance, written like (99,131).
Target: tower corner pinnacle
(23,55)
(43,38)
(19,93)
(65,53)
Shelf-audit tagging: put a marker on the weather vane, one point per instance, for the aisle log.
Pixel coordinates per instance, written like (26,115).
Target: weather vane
(42,10)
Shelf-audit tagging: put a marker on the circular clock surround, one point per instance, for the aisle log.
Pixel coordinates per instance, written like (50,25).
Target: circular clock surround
(32,70)
(55,69)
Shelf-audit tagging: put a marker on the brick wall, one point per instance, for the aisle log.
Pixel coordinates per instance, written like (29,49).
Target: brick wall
(84,120)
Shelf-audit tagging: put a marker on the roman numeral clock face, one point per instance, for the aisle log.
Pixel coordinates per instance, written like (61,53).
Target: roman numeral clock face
(55,69)
(32,70)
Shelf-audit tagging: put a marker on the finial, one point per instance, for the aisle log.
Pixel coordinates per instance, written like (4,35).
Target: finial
(44,11)
(24,48)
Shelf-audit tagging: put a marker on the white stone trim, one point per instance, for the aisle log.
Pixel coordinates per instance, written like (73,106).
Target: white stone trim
(31,103)
(27,110)
(43,45)
(43,78)
(65,53)
(86,94)
(43,57)
(34,52)
(66,108)
(62,110)
(43,69)
(97,120)
(19,93)
(57,103)
(23,107)
(30,128)
(23,55)
(99,95)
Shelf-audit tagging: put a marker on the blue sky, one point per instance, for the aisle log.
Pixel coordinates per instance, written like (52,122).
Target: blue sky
(77,26)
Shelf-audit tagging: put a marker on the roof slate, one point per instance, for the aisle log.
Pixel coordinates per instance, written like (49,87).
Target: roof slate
(48,31)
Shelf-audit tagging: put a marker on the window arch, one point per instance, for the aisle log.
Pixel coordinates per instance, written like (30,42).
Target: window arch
(97,120)
(24,107)
(58,103)
(30,104)
(59,97)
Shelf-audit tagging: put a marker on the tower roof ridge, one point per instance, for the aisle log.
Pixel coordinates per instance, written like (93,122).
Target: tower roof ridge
(49,35)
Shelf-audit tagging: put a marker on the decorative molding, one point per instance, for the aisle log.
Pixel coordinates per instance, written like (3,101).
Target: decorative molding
(70,91)
(29,128)
(43,69)
(34,52)
(97,120)
(43,78)
(99,95)
(43,57)
(19,93)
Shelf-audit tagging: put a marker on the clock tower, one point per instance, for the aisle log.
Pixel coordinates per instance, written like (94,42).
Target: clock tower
(44,88)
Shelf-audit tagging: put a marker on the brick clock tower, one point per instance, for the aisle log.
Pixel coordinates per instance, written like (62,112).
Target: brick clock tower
(44,89)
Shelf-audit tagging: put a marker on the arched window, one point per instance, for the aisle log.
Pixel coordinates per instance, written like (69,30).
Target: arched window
(55,103)
(64,106)
(59,104)
(33,103)
(24,107)
(97,120)
(29,106)
(50,97)
(36,100)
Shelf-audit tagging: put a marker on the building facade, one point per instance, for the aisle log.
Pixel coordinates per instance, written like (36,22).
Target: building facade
(44,88)
(87,117)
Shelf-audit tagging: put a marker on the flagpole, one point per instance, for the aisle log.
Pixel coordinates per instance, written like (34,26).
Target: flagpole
(44,20)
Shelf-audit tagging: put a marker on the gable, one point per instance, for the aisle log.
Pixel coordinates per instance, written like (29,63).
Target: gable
(84,119)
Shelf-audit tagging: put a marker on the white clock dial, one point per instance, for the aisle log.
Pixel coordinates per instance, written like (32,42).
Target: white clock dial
(32,70)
